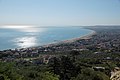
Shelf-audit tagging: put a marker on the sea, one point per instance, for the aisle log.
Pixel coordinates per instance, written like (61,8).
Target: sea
(11,38)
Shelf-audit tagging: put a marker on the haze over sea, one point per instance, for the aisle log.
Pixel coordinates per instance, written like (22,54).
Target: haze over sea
(23,37)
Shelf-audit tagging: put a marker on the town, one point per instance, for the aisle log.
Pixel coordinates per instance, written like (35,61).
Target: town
(99,51)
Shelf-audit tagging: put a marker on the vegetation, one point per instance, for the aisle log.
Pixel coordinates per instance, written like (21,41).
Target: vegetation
(65,67)
(12,71)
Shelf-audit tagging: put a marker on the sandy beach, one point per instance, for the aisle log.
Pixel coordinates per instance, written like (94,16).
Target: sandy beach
(87,36)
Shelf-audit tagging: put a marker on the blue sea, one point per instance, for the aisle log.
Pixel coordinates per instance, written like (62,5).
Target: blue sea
(11,38)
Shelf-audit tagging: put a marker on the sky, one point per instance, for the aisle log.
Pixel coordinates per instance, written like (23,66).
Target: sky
(60,12)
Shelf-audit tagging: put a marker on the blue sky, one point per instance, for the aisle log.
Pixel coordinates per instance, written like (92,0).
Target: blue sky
(60,12)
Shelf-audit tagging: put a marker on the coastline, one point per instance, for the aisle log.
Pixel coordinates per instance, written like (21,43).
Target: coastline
(87,36)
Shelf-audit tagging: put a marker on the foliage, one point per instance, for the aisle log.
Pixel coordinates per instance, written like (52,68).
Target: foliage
(10,71)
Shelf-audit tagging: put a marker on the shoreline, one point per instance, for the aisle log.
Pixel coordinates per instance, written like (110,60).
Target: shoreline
(87,36)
